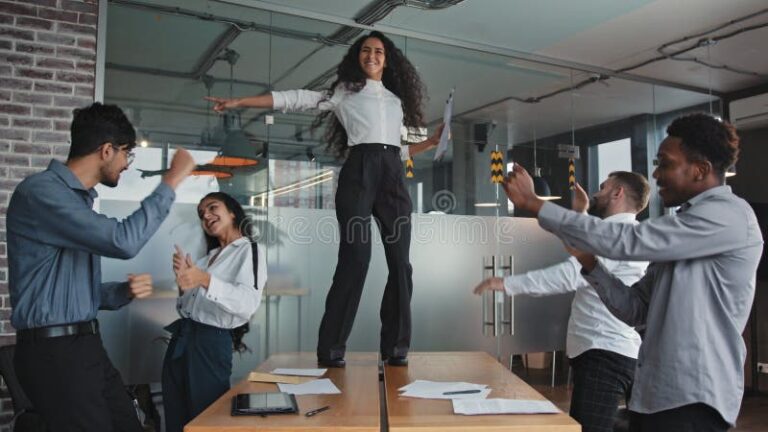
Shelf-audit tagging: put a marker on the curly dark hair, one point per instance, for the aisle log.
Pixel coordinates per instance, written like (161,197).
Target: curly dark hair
(400,77)
(705,137)
(96,124)
(242,223)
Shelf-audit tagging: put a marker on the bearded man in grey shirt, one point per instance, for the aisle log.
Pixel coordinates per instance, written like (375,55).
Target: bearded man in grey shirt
(697,293)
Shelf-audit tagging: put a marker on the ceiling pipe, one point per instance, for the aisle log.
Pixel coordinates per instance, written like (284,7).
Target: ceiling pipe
(176,74)
(214,51)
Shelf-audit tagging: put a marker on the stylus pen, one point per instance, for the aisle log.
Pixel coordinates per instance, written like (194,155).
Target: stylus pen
(461,392)
(317,411)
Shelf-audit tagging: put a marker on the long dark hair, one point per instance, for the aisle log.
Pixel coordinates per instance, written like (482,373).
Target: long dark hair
(399,77)
(243,225)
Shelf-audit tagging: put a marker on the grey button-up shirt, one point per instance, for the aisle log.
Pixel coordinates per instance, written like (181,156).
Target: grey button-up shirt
(55,241)
(695,297)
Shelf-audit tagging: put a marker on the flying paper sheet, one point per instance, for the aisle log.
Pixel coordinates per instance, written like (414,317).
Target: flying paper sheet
(445,137)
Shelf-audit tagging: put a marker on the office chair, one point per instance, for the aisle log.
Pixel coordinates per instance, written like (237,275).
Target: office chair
(24,419)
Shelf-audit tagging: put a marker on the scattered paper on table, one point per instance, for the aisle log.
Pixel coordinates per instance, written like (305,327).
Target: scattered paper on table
(321,386)
(435,390)
(503,406)
(444,386)
(300,372)
(482,394)
(272,378)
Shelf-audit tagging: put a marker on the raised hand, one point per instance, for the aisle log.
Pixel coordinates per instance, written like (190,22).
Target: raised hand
(580,199)
(140,285)
(518,185)
(434,139)
(182,165)
(179,259)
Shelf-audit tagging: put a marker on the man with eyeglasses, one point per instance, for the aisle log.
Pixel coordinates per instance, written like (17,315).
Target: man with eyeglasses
(55,244)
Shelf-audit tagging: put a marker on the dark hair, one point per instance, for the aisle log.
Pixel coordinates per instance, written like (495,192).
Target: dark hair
(706,138)
(400,77)
(243,225)
(241,220)
(97,124)
(635,185)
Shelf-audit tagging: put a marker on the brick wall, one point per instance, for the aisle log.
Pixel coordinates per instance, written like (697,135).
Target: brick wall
(47,68)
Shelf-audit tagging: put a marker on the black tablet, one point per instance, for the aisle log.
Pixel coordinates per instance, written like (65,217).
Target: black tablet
(264,403)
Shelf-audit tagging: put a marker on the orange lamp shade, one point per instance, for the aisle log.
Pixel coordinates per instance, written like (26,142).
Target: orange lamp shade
(232,161)
(216,174)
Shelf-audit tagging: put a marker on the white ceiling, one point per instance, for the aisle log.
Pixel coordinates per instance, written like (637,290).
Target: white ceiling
(601,33)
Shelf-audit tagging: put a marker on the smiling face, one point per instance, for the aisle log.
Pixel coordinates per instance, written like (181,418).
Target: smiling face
(117,160)
(216,220)
(676,176)
(373,58)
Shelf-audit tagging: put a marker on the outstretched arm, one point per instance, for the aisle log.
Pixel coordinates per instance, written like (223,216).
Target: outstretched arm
(224,104)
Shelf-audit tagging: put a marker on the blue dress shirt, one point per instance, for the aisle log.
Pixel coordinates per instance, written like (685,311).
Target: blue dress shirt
(56,240)
(695,298)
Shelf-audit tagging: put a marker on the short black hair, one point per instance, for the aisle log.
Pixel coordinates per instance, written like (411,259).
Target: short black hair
(96,124)
(705,137)
(636,187)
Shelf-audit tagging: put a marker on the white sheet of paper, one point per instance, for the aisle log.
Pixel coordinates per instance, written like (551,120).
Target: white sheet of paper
(482,394)
(321,386)
(442,146)
(425,385)
(503,406)
(435,390)
(300,372)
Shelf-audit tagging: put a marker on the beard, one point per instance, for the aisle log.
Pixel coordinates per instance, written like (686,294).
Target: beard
(109,183)
(595,209)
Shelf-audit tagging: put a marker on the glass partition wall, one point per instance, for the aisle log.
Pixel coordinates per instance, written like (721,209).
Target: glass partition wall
(537,115)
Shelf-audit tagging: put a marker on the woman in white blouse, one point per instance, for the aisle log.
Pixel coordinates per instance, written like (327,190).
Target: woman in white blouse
(376,92)
(217,297)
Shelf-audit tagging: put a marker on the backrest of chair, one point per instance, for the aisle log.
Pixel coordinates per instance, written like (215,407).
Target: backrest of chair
(7,370)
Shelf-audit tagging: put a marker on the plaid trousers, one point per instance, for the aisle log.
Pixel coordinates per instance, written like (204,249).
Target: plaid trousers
(601,379)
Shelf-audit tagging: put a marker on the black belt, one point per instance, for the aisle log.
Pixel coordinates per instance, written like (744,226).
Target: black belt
(81,328)
(374,147)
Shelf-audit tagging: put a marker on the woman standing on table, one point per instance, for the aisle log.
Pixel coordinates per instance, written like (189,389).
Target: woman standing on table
(218,296)
(377,90)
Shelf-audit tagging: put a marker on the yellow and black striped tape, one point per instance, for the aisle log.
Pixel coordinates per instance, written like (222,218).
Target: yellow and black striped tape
(571,174)
(497,167)
(409,168)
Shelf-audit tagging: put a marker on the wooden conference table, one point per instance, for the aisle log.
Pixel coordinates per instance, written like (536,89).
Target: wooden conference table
(357,407)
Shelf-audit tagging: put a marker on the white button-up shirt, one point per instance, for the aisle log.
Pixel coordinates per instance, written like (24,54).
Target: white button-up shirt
(695,298)
(231,298)
(591,325)
(372,115)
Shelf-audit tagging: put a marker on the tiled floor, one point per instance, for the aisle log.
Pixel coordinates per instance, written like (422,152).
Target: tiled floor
(753,416)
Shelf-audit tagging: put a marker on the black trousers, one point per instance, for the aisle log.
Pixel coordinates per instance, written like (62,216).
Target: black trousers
(196,370)
(73,385)
(601,379)
(697,417)
(371,182)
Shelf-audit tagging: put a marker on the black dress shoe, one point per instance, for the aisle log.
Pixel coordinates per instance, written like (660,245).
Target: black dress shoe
(397,361)
(333,363)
